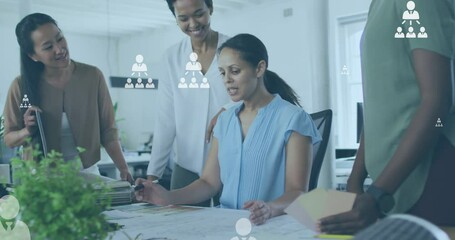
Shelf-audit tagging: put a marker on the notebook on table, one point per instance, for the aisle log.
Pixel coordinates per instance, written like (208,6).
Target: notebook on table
(120,192)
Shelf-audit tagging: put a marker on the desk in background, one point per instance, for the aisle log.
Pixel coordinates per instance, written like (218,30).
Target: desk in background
(194,223)
(137,164)
(343,168)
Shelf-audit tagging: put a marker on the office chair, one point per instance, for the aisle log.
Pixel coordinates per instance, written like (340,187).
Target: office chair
(323,122)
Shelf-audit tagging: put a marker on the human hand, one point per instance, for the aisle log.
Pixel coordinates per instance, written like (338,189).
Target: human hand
(125,175)
(30,119)
(212,124)
(259,211)
(152,193)
(364,213)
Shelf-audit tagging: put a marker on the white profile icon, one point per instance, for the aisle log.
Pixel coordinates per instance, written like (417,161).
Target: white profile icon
(150,83)
(25,102)
(139,66)
(411,33)
(139,83)
(205,83)
(10,228)
(345,70)
(439,123)
(193,83)
(193,65)
(243,229)
(411,14)
(182,83)
(422,33)
(129,83)
(399,33)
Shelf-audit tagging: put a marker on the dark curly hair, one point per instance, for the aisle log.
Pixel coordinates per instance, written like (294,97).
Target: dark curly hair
(170,4)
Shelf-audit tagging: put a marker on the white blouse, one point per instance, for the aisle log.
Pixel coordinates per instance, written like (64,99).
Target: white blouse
(185,113)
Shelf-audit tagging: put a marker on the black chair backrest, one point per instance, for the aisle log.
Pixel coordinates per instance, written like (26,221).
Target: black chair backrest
(323,122)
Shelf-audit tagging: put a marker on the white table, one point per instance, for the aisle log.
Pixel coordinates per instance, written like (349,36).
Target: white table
(188,223)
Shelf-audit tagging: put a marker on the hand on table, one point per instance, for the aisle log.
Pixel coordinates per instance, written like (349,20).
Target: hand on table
(259,211)
(364,213)
(152,193)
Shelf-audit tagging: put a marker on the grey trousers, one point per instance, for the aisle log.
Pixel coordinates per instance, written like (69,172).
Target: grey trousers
(182,177)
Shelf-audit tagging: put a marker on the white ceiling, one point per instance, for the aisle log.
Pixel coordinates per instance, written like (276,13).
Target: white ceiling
(106,17)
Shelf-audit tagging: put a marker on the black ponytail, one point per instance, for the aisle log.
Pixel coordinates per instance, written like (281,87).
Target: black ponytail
(252,50)
(30,70)
(275,84)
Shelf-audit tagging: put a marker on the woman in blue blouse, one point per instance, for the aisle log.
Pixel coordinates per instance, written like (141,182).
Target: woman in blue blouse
(262,148)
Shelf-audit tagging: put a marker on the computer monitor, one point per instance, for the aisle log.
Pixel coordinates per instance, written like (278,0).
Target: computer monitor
(359,120)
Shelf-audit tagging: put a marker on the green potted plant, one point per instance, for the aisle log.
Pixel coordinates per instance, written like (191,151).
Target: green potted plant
(56,202)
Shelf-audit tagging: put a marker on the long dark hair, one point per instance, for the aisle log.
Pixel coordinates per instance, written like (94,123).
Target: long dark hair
(252,50)
(30,70)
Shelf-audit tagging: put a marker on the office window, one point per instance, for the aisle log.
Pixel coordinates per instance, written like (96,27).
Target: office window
(349,80)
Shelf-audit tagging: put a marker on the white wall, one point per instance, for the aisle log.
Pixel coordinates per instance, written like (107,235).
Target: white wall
(9,60)
(336,10)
